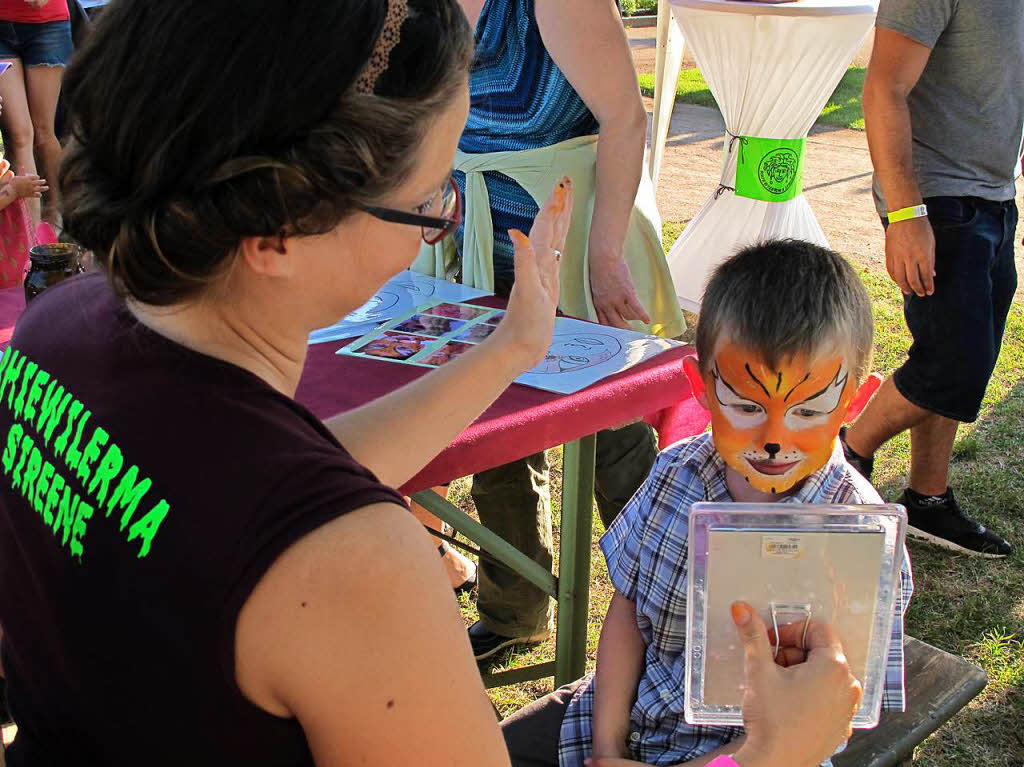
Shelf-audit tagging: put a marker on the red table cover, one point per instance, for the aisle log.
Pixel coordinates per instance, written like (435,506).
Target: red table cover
(522,421)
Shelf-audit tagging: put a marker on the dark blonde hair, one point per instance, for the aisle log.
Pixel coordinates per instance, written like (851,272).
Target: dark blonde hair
(786,297)
(197,123)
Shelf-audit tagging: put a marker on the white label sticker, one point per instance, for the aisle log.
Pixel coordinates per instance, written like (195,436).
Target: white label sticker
(782,546)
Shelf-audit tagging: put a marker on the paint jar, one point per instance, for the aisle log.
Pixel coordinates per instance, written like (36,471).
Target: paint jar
(50,264)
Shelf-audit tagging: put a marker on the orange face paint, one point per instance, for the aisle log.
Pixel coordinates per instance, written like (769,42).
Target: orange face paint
(776,425)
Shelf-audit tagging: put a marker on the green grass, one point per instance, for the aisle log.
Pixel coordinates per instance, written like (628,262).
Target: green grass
(842,110)
(970,607)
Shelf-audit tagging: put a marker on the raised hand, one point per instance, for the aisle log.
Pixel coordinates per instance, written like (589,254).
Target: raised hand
(529,321)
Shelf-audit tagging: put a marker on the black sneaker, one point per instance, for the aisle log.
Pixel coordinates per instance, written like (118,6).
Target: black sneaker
(486,643)
(864,466)
(940,520)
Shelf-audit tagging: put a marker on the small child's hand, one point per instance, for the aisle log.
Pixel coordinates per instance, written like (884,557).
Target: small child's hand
(29,186)
(6,174)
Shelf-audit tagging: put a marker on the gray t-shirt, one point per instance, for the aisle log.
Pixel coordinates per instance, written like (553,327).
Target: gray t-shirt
(967,109)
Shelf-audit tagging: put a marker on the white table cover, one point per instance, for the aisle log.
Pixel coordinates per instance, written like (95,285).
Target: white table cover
(771,69)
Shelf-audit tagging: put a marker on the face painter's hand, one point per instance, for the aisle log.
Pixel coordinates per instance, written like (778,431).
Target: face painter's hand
(529,323)
(799,715)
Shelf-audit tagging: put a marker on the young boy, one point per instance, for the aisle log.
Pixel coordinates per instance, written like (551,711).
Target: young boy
(784,343)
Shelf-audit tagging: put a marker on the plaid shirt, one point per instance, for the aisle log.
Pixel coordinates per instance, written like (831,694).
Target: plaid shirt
(646,551)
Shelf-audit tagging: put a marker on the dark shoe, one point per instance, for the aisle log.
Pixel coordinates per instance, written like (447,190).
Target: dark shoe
(863,465)
(486,643)
(940,520)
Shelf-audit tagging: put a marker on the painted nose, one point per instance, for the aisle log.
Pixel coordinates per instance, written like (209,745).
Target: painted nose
(772,448)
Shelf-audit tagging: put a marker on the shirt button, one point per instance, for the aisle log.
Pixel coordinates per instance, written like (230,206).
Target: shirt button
(634,736)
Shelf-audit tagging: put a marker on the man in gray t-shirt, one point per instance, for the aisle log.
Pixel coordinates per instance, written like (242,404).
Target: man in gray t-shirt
(944,111)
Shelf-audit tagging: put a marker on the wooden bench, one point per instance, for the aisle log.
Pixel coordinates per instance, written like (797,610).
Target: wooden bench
(938,685)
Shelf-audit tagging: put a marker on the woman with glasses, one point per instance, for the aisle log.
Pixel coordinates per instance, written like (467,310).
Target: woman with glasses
(193,568)
(553,90)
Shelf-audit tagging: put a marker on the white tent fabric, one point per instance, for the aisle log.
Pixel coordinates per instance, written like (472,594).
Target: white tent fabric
(667,62)
(771,69)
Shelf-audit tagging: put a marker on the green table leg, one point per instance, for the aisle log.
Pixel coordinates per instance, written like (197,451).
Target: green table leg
(574,559)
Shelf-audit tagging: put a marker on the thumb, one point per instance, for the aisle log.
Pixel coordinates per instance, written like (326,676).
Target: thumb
(754,635)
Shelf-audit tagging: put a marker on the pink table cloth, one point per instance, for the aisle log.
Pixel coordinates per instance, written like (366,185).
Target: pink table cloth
(521,422)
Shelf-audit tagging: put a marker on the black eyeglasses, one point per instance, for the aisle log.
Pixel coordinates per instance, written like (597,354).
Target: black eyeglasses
(434,228)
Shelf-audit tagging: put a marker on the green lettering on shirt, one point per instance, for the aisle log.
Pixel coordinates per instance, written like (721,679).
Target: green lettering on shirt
(128,493)
(34,393)
(19,401)
(62,440)
(108,469)
(146,527)
(14,435)
(28,481)
(66,514)
(11,375)
(42,486)
(52,498)
(74,456)
(83,513)
(52,410)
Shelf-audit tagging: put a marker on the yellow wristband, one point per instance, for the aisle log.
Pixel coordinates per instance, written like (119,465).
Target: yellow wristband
(903,214)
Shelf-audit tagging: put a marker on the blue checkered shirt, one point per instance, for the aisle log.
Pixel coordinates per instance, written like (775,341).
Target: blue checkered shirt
(646,551)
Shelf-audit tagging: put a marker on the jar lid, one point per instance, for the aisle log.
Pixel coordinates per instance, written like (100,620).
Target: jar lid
(53,254)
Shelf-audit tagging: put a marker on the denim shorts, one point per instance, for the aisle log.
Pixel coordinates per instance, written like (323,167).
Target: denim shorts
(47,44)
(958,330)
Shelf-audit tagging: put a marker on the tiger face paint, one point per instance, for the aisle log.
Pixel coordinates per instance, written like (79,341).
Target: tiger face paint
(776,425)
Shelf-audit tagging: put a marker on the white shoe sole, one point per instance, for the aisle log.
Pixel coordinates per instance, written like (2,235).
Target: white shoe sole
(921,535)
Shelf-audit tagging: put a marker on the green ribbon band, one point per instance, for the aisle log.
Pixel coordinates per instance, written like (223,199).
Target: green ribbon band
(769,169)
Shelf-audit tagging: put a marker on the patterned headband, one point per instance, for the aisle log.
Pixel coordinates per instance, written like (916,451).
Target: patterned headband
(377,64)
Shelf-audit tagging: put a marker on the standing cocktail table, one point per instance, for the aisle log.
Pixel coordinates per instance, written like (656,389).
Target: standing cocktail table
(771,68)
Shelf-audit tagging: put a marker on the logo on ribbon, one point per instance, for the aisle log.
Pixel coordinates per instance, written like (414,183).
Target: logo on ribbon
(778,170)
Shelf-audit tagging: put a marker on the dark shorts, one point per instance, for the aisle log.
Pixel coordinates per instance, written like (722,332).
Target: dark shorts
(958,330)
(37,45)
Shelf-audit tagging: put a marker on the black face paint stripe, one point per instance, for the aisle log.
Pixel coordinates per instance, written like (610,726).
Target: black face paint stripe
(778,383)
(750,372)
(786,398)
(834,382)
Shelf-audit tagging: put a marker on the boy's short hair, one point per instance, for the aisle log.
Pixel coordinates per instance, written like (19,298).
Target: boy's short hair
(785,297)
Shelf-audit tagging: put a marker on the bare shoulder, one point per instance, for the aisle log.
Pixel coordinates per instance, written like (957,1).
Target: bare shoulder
(355,633)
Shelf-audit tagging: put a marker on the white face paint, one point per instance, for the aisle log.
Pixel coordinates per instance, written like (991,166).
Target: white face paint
(818,408)
(741,413)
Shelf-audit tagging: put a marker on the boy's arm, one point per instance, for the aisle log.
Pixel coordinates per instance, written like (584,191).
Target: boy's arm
(620,661)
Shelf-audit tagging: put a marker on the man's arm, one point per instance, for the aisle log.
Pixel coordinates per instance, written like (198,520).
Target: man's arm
(896,64)
(620,661)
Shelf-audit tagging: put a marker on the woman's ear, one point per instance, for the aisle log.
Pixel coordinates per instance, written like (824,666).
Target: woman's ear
(696,380)
(268,256)
(862,397)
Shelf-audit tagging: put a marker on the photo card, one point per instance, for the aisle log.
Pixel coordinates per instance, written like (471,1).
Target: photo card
(458,311)
(394,346)
(429,325)
(474,334)
(446,353)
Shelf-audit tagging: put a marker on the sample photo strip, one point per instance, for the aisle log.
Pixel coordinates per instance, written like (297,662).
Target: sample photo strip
(394,346)
(447,353)
(429,325)
(474,334)
(458,311)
